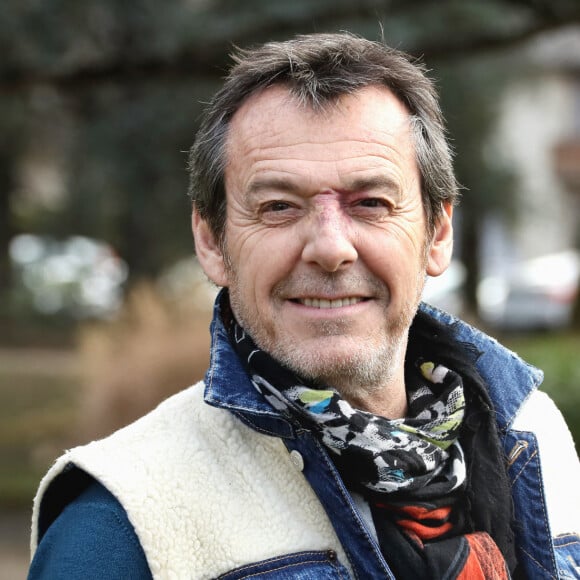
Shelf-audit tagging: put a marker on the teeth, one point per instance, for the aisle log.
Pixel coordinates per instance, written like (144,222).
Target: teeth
(324,303)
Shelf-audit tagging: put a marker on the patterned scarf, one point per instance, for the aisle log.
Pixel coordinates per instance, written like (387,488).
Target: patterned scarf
(411,470)
(418,454)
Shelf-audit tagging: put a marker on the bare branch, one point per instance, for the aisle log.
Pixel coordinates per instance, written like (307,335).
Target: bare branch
(207,59)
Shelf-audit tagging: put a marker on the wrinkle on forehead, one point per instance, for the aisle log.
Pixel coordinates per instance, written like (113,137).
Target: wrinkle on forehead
(274,142)
(253,120)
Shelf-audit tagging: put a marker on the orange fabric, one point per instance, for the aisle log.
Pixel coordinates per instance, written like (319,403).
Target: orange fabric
(422,513)
(421,525)
(415,526)
(485,561)
(425,532)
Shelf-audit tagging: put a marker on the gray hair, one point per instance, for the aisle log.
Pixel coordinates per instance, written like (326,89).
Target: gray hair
(318,69)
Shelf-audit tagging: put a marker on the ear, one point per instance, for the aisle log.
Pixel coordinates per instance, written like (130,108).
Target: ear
(209,252)
(441,246)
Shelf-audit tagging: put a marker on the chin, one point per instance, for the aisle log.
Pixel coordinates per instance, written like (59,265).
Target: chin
(359,368)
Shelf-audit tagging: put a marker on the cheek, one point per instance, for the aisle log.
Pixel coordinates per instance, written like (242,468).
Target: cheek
(275,250)
(396,258)
(387,249)
(253,272)
(249,244)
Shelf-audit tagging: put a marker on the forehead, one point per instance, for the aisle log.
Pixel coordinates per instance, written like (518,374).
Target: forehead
(370,109)
(364,130)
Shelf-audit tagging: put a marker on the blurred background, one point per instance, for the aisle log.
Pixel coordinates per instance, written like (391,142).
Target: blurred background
(103,311)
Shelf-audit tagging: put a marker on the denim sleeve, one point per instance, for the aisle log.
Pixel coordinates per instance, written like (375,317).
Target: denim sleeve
(91,539)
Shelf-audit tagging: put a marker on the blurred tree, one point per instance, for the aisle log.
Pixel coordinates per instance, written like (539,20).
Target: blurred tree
(470,92)
(129,75)
(129,171)
(71,43)
(567,166)
(7,228)
(11,137)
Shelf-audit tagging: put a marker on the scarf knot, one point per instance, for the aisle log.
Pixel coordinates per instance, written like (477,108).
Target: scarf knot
(418,455)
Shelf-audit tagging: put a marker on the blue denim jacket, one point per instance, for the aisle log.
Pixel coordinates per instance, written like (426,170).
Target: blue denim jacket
(510,381)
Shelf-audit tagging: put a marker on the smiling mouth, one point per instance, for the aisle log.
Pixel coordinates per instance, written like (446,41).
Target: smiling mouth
(326,303)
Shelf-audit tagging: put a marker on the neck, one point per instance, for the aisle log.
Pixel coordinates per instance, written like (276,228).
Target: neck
(384,391)
(388,400)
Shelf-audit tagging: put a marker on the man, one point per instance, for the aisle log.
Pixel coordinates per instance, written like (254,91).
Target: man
(343,428)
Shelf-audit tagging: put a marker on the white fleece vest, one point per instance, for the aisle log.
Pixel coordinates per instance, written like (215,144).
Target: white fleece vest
(204,492)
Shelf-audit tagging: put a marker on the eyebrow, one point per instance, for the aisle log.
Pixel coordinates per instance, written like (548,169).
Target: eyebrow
(374,182)
(357,184)
(271,183)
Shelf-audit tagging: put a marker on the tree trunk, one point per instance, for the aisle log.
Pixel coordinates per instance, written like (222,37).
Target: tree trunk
(470,255)
(6,234)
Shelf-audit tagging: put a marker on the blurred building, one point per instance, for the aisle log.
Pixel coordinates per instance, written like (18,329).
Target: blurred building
(538,136)
(530,264)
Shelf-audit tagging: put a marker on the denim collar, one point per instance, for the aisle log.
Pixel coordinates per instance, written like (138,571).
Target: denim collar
(228,386)
(509,379)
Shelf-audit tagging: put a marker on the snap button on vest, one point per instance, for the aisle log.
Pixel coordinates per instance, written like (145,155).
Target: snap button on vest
(297,460)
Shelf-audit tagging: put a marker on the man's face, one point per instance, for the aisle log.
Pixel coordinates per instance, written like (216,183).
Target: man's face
(325,241)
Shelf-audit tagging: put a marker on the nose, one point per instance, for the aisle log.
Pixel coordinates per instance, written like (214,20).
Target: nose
(329,242)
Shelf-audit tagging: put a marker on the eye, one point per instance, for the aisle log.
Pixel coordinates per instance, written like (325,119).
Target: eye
(373,202)
(372,208)
(276,206)
(278,212)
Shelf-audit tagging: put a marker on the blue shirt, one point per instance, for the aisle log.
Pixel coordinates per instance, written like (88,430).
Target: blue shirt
(91,539)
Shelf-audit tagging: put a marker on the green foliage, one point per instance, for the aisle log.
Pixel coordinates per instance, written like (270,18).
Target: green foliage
(557,356)
(129,172)
(59,38)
